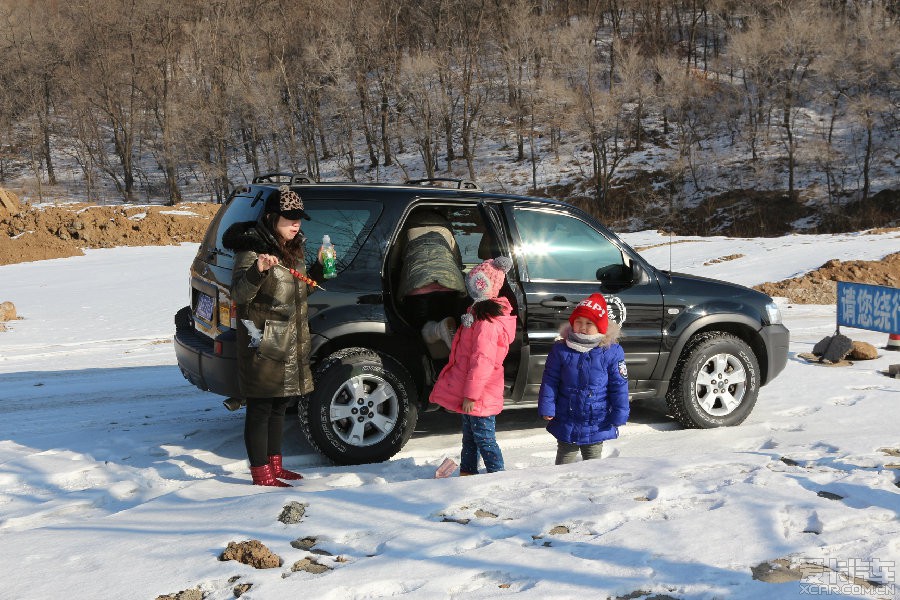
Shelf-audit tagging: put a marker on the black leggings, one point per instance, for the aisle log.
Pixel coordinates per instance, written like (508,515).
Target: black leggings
(421,308)
(264,428)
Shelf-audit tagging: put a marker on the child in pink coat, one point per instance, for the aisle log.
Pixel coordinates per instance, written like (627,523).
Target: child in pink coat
(472,381)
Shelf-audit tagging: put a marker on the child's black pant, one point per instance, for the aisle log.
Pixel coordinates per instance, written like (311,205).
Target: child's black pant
(264,428)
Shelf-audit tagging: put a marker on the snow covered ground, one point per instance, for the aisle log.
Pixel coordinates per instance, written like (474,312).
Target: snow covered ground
(118,479)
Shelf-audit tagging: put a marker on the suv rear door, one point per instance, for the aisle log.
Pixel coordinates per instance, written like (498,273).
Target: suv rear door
(559,253)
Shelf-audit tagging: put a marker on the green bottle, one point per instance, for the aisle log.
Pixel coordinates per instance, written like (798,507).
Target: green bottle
(327,257)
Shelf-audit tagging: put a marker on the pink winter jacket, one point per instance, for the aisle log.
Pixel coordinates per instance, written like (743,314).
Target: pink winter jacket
(475,369)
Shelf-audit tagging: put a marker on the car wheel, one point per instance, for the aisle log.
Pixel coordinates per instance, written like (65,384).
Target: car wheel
(363,409)
(716,382)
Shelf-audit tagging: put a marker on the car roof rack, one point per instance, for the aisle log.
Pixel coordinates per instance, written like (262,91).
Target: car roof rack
(278,177)
(461,184)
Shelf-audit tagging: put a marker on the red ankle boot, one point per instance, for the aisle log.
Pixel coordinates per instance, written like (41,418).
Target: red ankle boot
(265,476)
(279,471)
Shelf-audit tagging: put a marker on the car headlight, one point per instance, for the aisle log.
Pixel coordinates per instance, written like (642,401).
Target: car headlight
(773,313)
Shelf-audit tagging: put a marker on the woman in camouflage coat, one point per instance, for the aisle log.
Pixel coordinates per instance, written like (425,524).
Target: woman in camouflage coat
(273,340)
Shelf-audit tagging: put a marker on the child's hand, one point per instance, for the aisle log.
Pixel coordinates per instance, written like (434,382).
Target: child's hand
(546,418)
(468,405)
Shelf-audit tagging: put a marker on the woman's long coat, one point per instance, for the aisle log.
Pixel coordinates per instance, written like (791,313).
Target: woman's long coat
(275,302)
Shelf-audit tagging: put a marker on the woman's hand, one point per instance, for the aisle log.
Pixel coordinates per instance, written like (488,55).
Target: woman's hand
(468,405)
(546,418)
(264,262)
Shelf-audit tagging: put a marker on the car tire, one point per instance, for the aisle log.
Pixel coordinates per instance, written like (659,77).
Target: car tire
(363,409)
(715,383)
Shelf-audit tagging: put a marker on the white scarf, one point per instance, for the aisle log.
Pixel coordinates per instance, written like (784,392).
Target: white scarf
(582,342)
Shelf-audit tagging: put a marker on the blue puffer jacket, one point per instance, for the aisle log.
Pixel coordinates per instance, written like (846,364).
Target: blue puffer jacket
(586,393)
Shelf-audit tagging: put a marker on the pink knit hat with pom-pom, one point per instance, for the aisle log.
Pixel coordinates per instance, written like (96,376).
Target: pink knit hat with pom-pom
(485,280)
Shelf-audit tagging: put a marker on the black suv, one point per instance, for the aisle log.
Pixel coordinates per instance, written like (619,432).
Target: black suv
(706,346)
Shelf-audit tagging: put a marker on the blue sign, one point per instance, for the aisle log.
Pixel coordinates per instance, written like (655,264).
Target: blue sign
(872,307)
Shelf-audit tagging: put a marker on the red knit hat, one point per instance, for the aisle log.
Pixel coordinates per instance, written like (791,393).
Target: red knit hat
(594,309)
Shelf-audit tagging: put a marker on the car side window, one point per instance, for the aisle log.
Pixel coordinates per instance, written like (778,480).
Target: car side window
(348,227)
(561,247)
(469,230)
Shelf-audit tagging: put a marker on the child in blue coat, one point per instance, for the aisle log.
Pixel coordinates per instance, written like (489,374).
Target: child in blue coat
(584,390)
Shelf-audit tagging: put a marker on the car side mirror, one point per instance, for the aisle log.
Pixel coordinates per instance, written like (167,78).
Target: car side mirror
(614,275)
(619,276)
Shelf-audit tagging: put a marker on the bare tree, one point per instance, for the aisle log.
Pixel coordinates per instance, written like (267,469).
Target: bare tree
(422,95)
(162,82)
(155,96)
(867,75)
(684,101)
(33,64)
(473,87)
(798,34)
(105,65)
(216,53)
(598,111)
(635,86)
(390,50)
(517,46)
(775,57)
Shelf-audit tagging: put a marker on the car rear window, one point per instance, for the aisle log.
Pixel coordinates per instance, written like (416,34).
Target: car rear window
(241,208)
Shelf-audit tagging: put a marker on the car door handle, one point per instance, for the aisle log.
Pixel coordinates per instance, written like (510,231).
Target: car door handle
(557,302)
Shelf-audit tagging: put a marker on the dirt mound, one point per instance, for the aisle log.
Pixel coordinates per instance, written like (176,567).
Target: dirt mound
(820,286)
(65,230)
(9,203)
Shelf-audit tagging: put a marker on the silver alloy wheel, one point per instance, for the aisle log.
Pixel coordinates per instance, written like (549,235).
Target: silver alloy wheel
(721,384)
(364,410)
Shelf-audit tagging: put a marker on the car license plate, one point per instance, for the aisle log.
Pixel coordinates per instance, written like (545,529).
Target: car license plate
(205,307)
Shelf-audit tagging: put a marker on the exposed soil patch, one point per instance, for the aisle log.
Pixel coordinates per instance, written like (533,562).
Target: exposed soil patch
(191,594)
(310,566)
(881,210)
(722,259)
(642,248)
(253,553)
(7,313)
(29,234)
(820,286)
